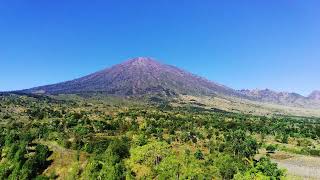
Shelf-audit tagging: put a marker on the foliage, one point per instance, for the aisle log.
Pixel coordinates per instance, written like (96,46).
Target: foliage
(125,140)
(271,148)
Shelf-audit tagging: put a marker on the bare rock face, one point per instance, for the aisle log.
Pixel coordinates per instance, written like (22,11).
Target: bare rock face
(315,95)
(138,76)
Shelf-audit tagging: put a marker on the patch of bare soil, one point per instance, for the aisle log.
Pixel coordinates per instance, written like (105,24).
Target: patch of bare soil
(305,167)
(281,156)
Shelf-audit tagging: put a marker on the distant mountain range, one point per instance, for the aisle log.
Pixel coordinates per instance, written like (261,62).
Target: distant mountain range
(141,76)
(315,95)
(283,98)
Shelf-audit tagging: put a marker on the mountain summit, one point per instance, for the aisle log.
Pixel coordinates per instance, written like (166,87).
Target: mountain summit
(138,76)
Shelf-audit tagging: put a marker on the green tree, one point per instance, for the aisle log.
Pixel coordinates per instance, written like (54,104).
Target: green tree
(271,148)
(198,154)
(42,153)
(241,144)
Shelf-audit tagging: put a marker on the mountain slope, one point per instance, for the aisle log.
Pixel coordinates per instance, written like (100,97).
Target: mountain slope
(138,76)
(315,95)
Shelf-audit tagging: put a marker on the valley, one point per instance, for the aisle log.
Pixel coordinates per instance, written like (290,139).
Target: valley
(122,138)
(159,90)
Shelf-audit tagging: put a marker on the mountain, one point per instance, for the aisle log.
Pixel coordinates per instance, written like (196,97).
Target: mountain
(141,76)
(283,98)
(315,95)
(138,76)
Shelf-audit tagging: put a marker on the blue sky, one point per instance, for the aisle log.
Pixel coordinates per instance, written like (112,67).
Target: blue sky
(243,44)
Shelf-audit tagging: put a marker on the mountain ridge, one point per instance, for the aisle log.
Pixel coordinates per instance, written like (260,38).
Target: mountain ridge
(282,98)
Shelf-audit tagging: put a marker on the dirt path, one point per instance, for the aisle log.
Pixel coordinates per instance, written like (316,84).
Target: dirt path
(302,167)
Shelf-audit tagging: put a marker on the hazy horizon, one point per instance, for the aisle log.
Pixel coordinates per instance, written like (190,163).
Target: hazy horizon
(243,45)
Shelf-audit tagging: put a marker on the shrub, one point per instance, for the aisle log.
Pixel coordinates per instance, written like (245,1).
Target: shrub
(198,154)
(271,148)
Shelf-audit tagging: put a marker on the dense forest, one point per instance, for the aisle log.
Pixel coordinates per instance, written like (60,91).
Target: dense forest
(112,138)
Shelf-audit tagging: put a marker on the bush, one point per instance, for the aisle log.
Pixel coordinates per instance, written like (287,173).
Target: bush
(271,148)
(268,168)
(285,139)
(198,154)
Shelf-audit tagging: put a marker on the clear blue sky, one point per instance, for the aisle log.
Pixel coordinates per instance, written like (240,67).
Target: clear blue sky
(243,44)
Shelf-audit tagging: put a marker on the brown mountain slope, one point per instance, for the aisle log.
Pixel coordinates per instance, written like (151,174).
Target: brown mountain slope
(138,76)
